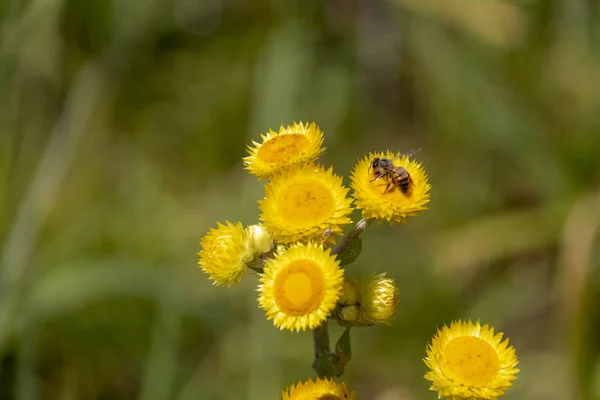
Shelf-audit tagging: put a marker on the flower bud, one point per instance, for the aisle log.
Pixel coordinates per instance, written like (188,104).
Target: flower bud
(350,294)
(379,299)
(261,241)
(349,314)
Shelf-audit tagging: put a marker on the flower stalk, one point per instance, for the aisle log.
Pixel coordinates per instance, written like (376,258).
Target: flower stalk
(302,280)
(324,363)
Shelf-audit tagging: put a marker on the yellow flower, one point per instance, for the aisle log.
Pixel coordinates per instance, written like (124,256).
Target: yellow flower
(300,286)
(469,361)
(225,252)
(301,203)
(296,144)
(393,205)
(379,299)
(321,389)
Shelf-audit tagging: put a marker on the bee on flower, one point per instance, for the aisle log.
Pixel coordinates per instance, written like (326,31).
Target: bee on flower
(389,186)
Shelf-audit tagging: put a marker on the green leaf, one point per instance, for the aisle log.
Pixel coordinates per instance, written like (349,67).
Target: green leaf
(324,365)
(350,252)
(342,347)
(343,353)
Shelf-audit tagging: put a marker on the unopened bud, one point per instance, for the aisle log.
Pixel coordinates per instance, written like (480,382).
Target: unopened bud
(350,294)
(349,315)
(261,241)
(379,299)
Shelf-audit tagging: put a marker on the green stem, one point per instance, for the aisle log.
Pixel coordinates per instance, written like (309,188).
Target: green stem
(259,261)
(321,339)
(322,350)
(321,333)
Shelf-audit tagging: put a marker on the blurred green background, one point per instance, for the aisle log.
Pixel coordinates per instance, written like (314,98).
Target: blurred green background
(122,127)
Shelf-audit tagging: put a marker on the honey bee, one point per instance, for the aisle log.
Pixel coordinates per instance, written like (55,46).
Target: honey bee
(396,175)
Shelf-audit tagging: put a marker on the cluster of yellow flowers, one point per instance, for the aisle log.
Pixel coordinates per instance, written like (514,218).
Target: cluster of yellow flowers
(302,279)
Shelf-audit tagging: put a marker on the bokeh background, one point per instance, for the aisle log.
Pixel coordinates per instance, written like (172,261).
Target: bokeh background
(122,127)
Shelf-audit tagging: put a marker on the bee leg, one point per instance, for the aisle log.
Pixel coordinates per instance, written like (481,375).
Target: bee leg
(376,179)
(387,187)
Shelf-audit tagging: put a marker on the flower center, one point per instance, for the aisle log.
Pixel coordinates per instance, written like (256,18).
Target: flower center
(306,202)
(328,396)
(471,360)
(281,147)
(217,246)
(299,287)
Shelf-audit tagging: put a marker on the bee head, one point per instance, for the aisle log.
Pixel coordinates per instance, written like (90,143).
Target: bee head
(375,163)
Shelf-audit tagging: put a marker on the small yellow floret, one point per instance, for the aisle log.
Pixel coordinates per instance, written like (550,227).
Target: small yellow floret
(470,361)
(293,145)
(304,202)
(300,286)
(224,253)
(321,389)
(392,204)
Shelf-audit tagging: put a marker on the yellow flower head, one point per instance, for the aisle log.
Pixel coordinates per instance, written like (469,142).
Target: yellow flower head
(300,286)
(321,389)
(392,204)
(225,252)
(379,299)
(301,203)
(469,361)
(296,144)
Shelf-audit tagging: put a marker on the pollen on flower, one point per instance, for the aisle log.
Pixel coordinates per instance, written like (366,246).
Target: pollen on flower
(321,389)
(300,286)
(292,145)
(303,203)
(468,360)
(382,199)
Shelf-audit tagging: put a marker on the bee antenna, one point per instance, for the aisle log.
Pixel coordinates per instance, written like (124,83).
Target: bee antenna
(409,153)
